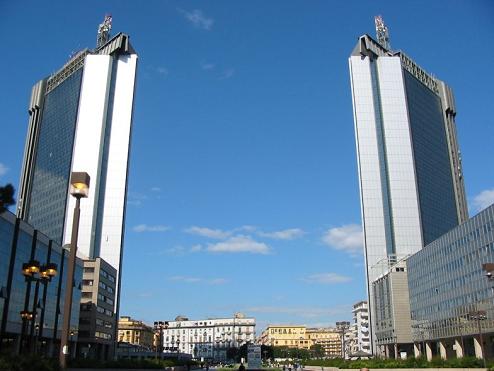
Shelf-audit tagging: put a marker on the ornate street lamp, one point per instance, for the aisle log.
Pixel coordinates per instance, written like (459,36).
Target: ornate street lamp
(79,188)
(34,272)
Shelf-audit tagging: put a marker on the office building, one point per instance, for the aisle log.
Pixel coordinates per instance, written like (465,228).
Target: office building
(136,333)
(80,120)
(451,298)
(393,333)
(33,273)
(328,338)
(411,183)
(208,338)
(97,321)
(291,336)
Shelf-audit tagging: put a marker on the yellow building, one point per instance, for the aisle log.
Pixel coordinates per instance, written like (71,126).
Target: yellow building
(328,338)
(285,336)
(135,332)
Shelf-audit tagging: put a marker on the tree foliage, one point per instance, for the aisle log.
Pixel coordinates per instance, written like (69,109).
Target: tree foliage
(6,197)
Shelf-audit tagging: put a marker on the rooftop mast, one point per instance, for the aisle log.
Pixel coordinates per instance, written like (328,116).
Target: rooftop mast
(104,31)
(382,32)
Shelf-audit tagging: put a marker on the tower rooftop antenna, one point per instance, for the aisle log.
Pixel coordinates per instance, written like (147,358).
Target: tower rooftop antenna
(104,31)
(382,32)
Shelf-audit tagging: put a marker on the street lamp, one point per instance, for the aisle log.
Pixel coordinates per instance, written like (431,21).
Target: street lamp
(79,188)
(343,326)
(34,272)
(478,316)
(489,270)
(158,328)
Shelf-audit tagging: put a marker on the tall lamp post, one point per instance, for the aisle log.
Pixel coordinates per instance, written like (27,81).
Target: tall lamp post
(79,188)
(478,316)
(34,272)
(343,326)
(159,326)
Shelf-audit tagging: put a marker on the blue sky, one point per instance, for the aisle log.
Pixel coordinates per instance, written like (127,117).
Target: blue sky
(243,189)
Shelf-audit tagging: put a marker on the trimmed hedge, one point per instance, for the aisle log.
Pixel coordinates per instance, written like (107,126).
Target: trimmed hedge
(465,362)
(27,363)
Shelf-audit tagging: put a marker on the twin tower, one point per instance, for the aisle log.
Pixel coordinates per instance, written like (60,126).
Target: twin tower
(81,120)
(409,164)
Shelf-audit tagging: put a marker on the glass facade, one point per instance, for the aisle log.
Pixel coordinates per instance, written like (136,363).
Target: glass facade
(49,192)
(18,240)
(447,283)
(404,163)
(432,162)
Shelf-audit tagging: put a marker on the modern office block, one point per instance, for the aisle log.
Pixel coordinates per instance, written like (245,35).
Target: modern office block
(41,300)
(80,120)
(411,184)
(451,297)
(97,321)
(393,333)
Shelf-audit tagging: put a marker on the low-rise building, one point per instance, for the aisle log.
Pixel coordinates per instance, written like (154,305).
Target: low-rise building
(292,336)
(451,297)
(392,312)
(207,338)
(329,338)
(37,292)
(97,323)
(135,332)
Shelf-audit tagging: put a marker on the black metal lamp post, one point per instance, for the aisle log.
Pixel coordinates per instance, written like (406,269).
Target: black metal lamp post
(159,326)
(478,316)
(34,272)
(79,188)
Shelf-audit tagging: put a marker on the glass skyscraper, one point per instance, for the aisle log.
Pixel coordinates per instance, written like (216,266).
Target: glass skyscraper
(80,120)
(411,183)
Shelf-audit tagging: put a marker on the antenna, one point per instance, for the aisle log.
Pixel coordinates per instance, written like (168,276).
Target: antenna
(382,32)
(104,31)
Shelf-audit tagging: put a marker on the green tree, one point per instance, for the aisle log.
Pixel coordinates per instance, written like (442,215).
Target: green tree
(6,197)
(232,353)
(317,351)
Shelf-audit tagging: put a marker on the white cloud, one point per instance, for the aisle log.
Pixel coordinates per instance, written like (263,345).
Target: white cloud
(228,73)
(136,198)
(196,248)
(207,66)
(3,169)
(163,71)
(239,244)
(150,228)
(208,232)
(190,279)
(326,278)
(306,312)
(198,19)
(217,281)
(483,199)
(347,238)
(287,234)
(186,279)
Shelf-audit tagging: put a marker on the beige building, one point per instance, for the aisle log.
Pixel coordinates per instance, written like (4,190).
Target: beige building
(291,336)
(135,332)
(329,338)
